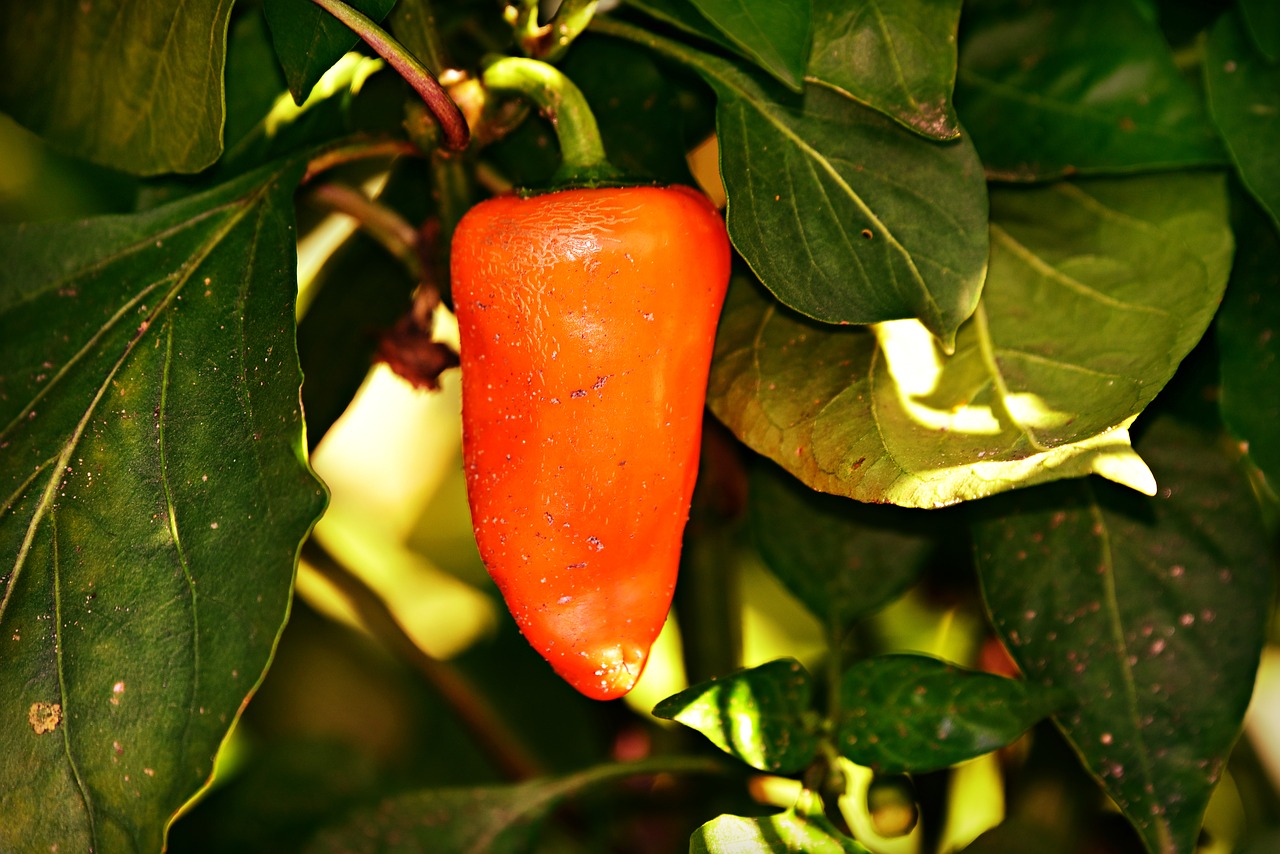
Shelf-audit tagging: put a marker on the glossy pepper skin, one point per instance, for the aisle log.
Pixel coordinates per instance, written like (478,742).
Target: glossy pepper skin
(587,319)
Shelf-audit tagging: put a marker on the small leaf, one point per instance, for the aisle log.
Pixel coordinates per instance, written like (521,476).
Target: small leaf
(1244,95)
(1263,19)
(309,40)
(841,558)
(126,83)
(775,35)
(897,57)
(1066,87)
(912,713)
(1248,339)
(845,215)
(805,831)
(1096,292)
(153,493)
(761,715)
(1150,612)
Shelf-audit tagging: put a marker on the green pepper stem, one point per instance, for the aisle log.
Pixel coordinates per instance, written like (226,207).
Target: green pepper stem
(582,160)
(446,112)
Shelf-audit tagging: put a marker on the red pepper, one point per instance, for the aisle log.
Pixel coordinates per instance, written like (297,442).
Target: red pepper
(587,319)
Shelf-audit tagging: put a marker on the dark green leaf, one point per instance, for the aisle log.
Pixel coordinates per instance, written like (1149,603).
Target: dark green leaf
(1263,19)
(1095,293)
(154,491)
(1062,87)
(843,214)
(309,40)
(1249,343)
(126,83)
(482,820)
(911,713)
(414,24)
(763,715)
(898,57)
(775,35)
(784,833)
(684,16)
(1244,94)
(841,558)
(1150,612)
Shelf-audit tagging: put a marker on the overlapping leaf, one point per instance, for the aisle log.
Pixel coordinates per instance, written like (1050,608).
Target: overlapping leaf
(844,215)
(1096,292)
(309,40)
(1064,87)
(127,83)
(153,492)
(912,713)
(898,57)
(1249,343)
(842,559)
(763,715)
(1150,612)
(775,35)
(1244,94)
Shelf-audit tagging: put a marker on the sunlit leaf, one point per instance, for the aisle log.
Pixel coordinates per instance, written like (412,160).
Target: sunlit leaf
(845,215)
(775,35)
(763,715)
(802,829)
(1064,87)
(898,56)
(841,558)
(1096,292)
(1249,343)
(1150,612)
(153,493)
(127,83)
(912,713)
(309,40)
(1244,94)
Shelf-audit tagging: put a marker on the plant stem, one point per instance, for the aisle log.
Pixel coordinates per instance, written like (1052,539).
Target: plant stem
(456,132)
(348,152)
(581,151)
(472,709)
(380,222)
(550,41)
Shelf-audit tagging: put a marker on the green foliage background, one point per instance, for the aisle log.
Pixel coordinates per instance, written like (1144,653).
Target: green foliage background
(997,371)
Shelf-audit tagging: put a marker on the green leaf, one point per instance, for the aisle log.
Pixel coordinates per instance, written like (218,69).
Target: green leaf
(309,40)
(1064,87)
(1096,292)
(153,493)
(126,83)
(897,56)
(1244,95)
(783,833)
(1150,612)
(1248,339)
(843,214)
(774,35)
(1263,19)
(762,715)
(912,713)
(842,559)
(481,820)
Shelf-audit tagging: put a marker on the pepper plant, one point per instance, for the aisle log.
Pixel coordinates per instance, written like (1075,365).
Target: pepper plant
(981,552)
